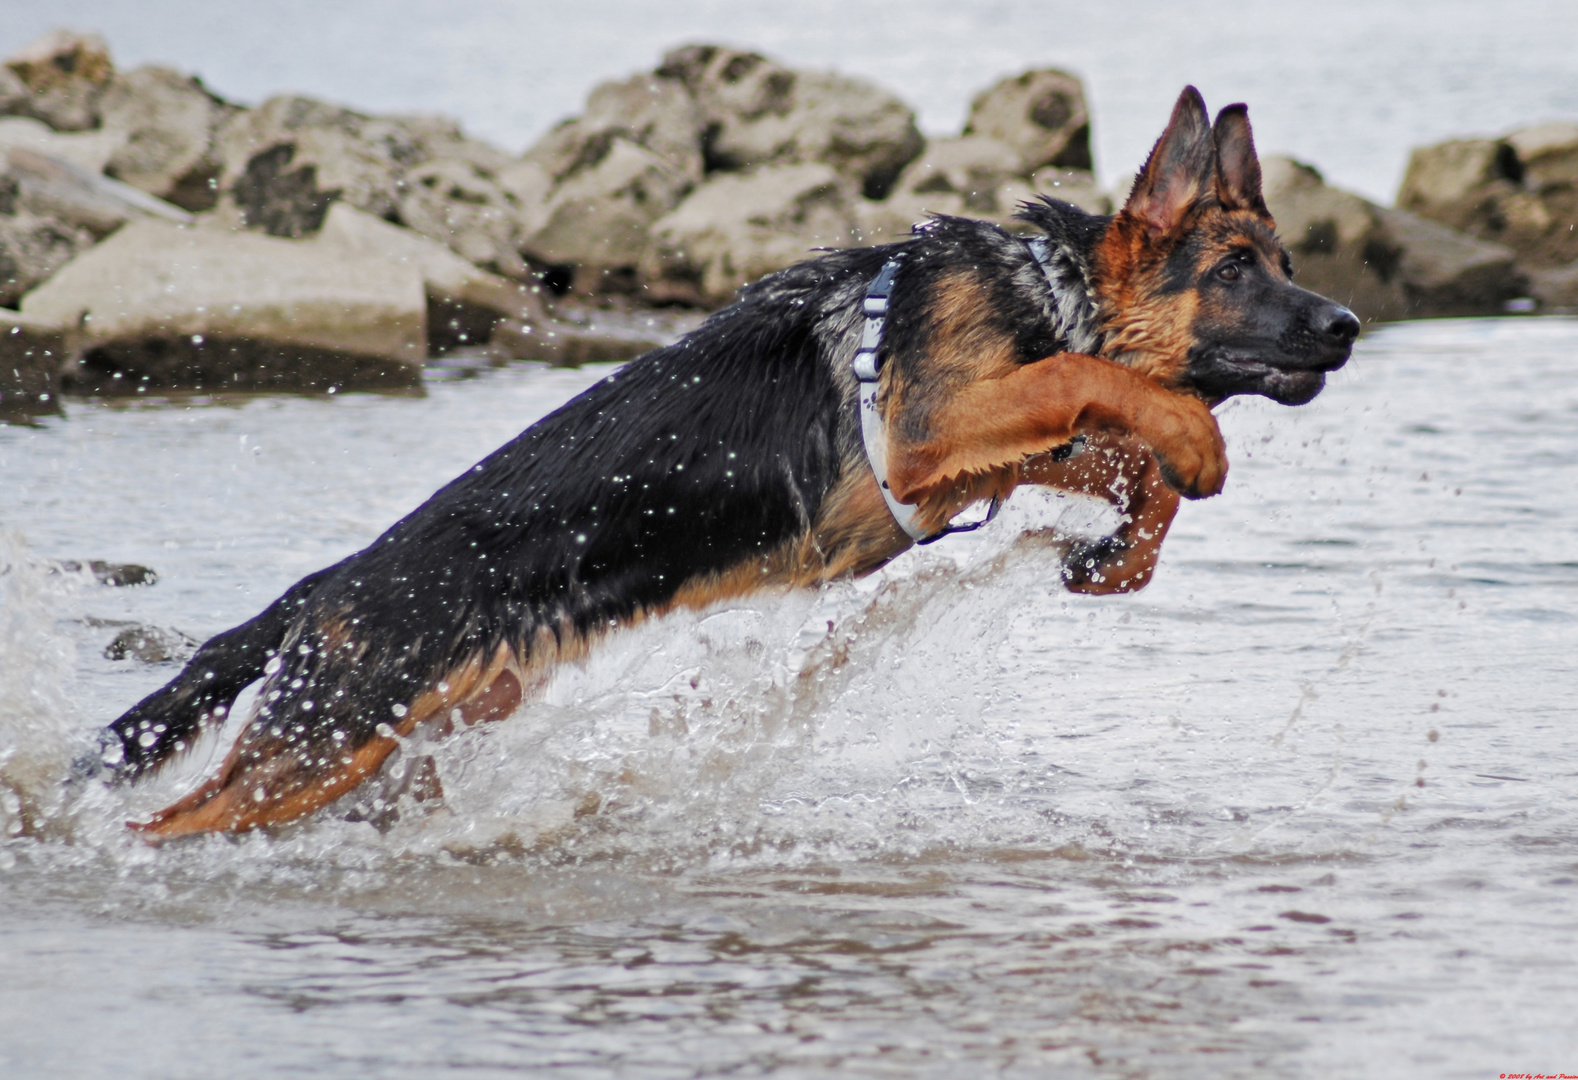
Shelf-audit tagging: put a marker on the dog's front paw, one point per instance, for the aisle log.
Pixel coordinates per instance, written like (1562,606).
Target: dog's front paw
(1189,448)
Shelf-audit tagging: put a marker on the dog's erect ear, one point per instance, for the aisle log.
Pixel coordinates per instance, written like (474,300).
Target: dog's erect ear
(1237,167)
(1179,172)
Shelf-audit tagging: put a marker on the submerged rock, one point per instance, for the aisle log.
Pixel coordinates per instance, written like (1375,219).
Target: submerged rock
(1384,264)
(151,645)
(32,354)
(115,575)
(157,306)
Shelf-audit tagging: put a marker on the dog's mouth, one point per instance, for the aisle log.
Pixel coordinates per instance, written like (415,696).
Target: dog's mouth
(1224,374)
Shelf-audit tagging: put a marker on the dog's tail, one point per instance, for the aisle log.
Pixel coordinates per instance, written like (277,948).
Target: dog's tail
(168,721)
(336,699)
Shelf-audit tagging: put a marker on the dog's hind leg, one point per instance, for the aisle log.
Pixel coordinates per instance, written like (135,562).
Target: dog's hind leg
(300,754)
(1125,473)
(169,720)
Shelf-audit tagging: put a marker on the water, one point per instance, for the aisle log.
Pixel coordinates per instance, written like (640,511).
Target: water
(1307,805)
(1350,85)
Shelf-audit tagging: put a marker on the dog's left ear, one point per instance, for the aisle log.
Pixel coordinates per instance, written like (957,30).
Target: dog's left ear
(1237,166)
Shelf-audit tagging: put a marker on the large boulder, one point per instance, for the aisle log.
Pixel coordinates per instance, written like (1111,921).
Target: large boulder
(1384,264)
(596,220)
(1041,115)
(87,150)
(757,113)
(164,125)
(465,303)
(737,227)
(1555,289)
(51,211)
(32,353)
(972,176)
(58,79)
(460,204)
(1520,190)
(82,199)
(159,306)
(32,247)
(654,112)
(286,162)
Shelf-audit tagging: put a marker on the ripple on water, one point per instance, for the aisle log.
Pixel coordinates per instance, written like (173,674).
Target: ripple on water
(1308,801)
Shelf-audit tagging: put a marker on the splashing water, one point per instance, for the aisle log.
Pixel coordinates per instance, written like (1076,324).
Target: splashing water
(1304,804)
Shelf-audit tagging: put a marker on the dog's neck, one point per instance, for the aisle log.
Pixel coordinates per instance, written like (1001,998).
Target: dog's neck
(1075,315)
(1067,255)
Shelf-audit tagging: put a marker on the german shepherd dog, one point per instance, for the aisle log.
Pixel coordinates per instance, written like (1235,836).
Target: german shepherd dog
(734,461)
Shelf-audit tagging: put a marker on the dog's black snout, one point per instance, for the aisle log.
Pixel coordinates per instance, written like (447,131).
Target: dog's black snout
(1337,324)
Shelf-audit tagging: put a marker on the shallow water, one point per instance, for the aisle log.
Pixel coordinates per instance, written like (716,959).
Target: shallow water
(1308,804)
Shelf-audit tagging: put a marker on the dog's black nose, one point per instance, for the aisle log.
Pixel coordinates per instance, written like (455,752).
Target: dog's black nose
(1337,324)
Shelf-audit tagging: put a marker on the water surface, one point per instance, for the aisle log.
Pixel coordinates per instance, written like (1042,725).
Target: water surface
(1308,804)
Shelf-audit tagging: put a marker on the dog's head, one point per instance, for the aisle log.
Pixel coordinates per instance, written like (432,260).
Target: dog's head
(1192,285)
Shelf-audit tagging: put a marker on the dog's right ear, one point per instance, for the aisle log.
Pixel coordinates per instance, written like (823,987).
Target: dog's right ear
(1180,171)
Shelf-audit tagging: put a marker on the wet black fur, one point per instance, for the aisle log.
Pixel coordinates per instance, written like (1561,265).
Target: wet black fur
(687,461)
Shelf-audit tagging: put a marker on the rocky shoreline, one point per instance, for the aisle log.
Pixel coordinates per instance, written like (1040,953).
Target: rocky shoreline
(155,238)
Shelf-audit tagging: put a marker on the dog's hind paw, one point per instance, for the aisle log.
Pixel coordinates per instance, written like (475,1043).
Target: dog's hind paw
(1083,564)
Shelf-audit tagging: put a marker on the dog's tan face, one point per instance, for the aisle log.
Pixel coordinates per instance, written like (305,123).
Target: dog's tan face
(1194,287)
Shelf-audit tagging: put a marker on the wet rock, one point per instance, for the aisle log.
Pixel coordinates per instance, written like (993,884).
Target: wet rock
(286,162)
(157,306)
(972,167)
(656,113)
(757,113)
(1520,190)
(464,302)
(165,125)
(115,575)
(1384,264)
(87,150)
(58,79)
(461,206)
(31,356)
(1445,272)
(973,176)
(1041,115)
(32,247)
(150,645)
(565,344)
(58,189)
(597,219)
(1555,290)
(735,228)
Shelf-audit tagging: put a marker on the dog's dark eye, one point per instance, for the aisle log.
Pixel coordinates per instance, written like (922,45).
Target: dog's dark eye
(1228,272)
